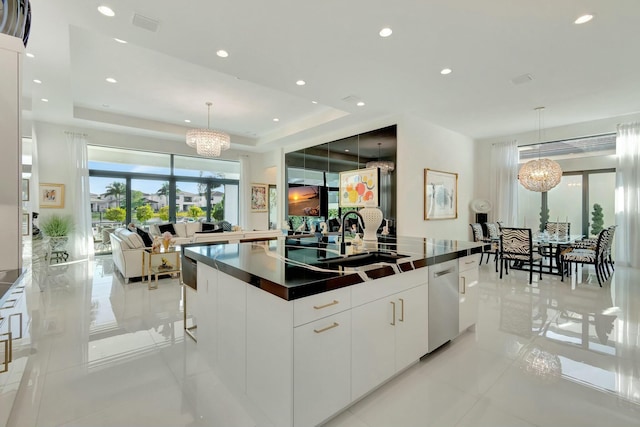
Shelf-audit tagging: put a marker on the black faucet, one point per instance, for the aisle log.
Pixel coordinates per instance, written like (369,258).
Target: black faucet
(343,245)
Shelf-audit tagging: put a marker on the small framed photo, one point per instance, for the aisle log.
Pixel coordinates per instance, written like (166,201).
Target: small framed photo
(440,195)
(26,220)
(259,197)
(52,195)
(25,189)
(359,188)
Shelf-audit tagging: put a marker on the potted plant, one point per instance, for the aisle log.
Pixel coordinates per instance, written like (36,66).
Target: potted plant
(57,228)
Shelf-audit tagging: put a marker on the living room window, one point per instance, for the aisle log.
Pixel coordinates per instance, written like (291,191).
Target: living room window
(145,187)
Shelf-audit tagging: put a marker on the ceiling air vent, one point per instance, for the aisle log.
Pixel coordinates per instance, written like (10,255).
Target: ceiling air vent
(145,23)
(525,78)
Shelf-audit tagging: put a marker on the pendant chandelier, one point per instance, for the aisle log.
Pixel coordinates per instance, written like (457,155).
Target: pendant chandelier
(385,166)
(207,142)
(543,174)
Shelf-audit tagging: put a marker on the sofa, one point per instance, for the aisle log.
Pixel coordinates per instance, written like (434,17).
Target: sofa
(192,232)
(129,255)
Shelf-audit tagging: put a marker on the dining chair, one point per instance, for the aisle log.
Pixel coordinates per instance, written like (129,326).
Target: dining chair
(516,245)
(478,236)
(596,257)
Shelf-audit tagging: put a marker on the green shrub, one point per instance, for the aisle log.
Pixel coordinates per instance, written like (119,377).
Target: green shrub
(144,213)
(163,213)
(57,225)
(544,218)
(195,212)
(597,219)
(115,214)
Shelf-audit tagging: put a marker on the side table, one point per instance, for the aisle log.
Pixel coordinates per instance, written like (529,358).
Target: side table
(159,263)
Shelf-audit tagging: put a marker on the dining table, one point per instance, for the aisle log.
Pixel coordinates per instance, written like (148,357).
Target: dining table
(551,246)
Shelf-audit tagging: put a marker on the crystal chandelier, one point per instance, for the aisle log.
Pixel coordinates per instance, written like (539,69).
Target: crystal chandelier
(207,142)
(543,174)
(385,166)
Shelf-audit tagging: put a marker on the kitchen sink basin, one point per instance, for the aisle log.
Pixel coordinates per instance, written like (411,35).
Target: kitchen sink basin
(358,260)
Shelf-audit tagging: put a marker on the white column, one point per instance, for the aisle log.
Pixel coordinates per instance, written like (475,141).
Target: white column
(11,50)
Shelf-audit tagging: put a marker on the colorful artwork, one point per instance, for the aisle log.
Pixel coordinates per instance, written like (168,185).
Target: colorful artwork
(440,195)
(52,195)
(359,188)
(259,197)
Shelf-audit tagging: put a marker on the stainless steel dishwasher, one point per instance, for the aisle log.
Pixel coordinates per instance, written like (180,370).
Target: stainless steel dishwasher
(443,303)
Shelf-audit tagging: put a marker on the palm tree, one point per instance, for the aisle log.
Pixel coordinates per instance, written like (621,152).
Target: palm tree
(164,190)
(116,189)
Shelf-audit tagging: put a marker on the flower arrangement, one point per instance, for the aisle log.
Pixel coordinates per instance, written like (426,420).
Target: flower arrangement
(167,239)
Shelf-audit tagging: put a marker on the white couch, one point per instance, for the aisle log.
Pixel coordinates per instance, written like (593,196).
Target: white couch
(128,251)
(184,231)
(190,232)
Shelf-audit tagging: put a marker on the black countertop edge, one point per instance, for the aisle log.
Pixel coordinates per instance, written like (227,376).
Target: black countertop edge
(319,285)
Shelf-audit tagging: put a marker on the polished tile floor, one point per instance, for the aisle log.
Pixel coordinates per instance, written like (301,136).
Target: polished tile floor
(99,352)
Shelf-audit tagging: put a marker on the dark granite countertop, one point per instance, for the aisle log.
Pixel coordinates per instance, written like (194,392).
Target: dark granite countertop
(293,268)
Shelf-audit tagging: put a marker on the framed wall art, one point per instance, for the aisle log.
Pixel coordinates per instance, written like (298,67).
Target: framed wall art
(259,197)
(440,195)
(51,195)
(359,188)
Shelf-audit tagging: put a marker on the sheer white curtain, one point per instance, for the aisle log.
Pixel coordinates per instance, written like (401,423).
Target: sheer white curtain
(503,184)
(627,236)
(78,160)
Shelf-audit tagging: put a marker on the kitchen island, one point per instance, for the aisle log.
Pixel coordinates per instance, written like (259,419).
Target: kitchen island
(304,333)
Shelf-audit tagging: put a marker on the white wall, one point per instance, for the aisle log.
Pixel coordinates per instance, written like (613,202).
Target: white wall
(11,50)
(424,145)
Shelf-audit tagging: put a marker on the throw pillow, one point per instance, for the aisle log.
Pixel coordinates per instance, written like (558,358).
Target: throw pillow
(166,227)
(146,237)
(226,226)
(209,226)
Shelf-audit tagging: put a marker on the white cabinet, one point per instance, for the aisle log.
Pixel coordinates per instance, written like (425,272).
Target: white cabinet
(232,324)
(468,290)
(322,368)
(387,335)
(207,308)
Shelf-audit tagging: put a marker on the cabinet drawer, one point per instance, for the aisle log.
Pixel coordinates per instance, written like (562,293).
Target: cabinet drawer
(468,262)
(366,292)
(317,306)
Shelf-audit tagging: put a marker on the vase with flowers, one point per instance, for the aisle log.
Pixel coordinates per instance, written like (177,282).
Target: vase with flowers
(167,239)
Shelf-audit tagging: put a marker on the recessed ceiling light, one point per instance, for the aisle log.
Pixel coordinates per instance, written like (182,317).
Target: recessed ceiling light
(111,80)
(276,119)
(30,55)
(301,83)
(44,100)
(106,11)
(120,41)
(346,150)
(385,32)
(583,19)
(37,81)
(360,104)
(187,121)
(222,53)
(314,102)
(445,71)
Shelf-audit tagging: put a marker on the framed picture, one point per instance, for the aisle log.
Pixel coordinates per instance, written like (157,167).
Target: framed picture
(52,195)
(26,219)
(259,198)
(25,189)
(359,188)
(440,195)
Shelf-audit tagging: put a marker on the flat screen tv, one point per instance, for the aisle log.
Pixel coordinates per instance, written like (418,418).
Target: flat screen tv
(304,200)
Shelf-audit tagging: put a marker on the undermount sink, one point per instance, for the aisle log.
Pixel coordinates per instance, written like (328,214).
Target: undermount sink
(358,260)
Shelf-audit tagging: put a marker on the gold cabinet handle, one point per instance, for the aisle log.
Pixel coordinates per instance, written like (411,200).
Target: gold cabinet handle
(319,307)
(464,285)
(7,352)
(20,328)
(393,316)
(401,310)
(469,262)
(319,331)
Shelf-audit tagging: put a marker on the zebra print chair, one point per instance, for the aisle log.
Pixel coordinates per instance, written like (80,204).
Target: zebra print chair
(597,256)
(478,236)
(516,245)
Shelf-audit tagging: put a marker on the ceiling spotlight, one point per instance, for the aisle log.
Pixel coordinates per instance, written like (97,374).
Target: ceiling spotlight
(120,41)
(445,71)
(360,104)
(111,80)
(44,100)
(276,119)
(222,53)
(301,83)
(385,32)
(106,11)
(314,102)
(346,150)
(30,55)
(187,121)
(583,19)
(37,81)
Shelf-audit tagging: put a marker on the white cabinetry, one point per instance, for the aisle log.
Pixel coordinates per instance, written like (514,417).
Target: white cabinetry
(388,333)
(468,290)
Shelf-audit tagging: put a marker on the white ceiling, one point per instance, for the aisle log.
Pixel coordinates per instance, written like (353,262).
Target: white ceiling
(580,72)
